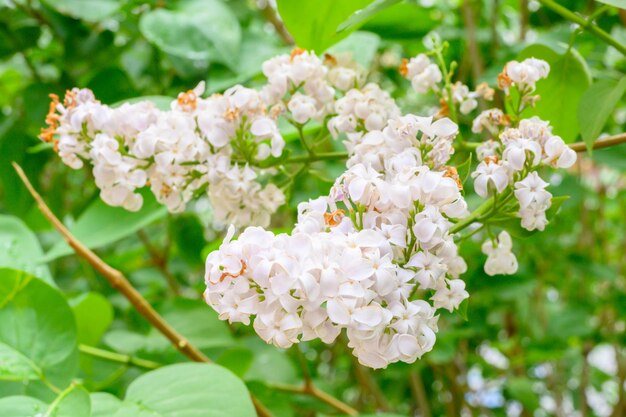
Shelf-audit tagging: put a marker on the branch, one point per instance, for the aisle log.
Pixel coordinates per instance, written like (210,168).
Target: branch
(121,283)
(118,357)
(313,391)
(600,143)
(271,16)
(587,24)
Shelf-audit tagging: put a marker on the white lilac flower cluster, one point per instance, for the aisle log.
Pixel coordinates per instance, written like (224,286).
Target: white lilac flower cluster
(366,259)
(176,152)
(426,76)
(510,159)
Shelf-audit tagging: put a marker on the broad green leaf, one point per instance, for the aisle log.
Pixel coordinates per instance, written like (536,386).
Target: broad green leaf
(596,106)
(405,20)
(101,224)
(73,402)
(621,4)
(198,30)
(89,10)
(19,248)
(187,390)
(362,46)
(238,360)
(268,357)
(22,406)
(93,314)
(196,321)
(192,318)
(38,326)
(104,404)
(561,93)
(313,23)
(360,16)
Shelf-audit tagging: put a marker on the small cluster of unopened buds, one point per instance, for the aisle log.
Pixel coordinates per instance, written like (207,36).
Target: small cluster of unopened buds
(378,256)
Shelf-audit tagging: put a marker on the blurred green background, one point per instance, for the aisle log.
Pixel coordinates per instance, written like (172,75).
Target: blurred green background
(547,341)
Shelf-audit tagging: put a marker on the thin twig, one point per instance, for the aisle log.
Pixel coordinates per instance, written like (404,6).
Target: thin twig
(118,357)
(600,143)
(315,392)
(121,283)
(419,392)
(271,16)
(587,24)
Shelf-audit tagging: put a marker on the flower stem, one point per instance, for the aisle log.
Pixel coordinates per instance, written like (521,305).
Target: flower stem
(587,24)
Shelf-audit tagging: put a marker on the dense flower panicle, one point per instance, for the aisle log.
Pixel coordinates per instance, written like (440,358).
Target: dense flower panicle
(356,257)
(377,257)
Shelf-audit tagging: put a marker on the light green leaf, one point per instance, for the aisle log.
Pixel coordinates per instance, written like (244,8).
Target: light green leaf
(73,402)
(360,16)
(93,314)
(89,10)
(187,390)
(561,93)
(101,224)
(596,106)
(621,4)
(104,404)
(362,46)
(512,224)
(19,248)
(22,406)
(38,324)
(268,357)
(313,23)
(198,30)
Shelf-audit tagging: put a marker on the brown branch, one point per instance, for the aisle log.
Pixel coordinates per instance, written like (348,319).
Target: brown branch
(600,143)
(271,16)
(121,283)
(313,391)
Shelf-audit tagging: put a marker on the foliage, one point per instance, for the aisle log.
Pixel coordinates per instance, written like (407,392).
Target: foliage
(548,340)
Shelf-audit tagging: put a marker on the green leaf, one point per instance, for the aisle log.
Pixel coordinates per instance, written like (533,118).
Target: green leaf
(596,106)
(22,406)
(561,93)
(73,402)
(19,248)
(89,10)
(621,4)
(101,224)
(198,30)
(37,328)
(360,16)
(104,404)
(93,314)
(187,390)
(362,46)
(313,23)
(267,357)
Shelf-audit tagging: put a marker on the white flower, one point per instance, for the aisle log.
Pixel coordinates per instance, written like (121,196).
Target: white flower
(558,154)
(490,175)
(525,74)
(302,107)
(500,259)
(423,74)
(450,294)
(531,190)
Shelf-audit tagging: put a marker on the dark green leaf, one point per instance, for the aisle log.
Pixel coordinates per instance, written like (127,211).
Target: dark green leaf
(94,315)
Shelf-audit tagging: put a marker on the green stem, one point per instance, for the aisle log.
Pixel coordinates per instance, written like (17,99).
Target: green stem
(474,216)
(316,157)
(118,357)
(587,24)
